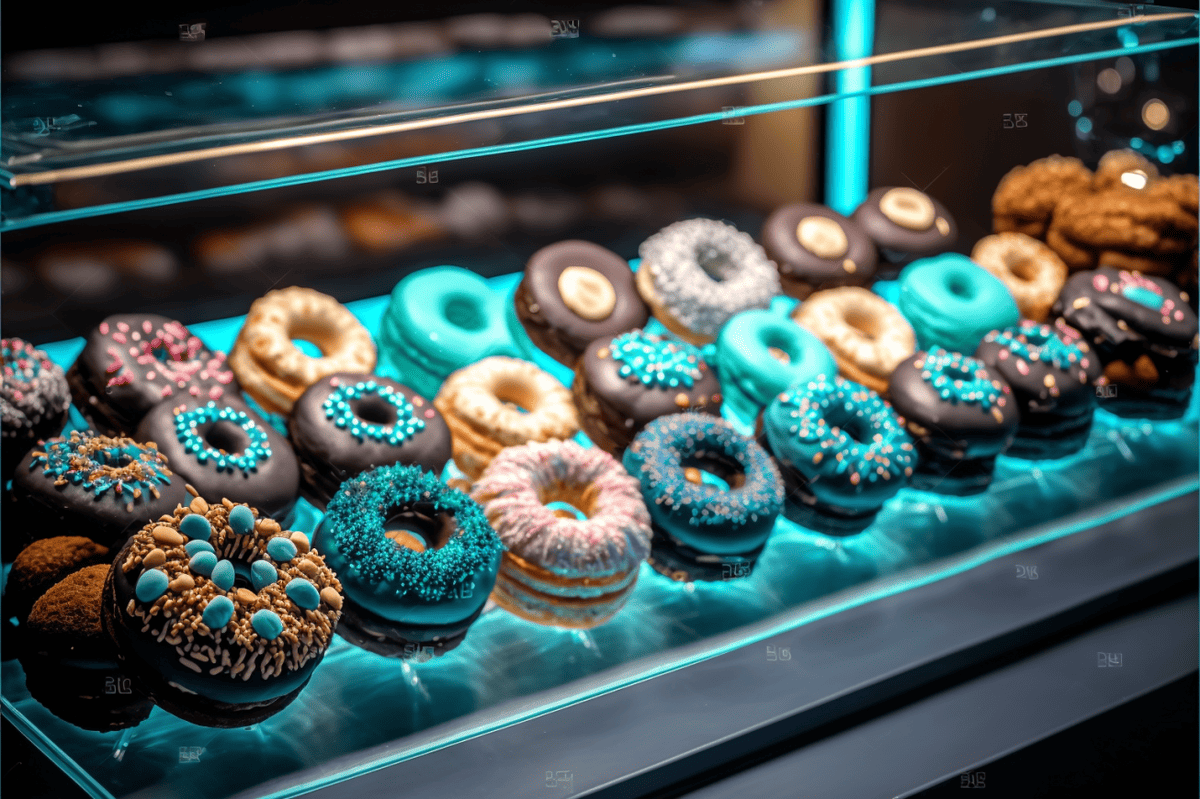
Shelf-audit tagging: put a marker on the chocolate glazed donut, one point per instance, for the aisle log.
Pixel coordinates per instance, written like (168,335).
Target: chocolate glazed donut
(817,248)
(573,293)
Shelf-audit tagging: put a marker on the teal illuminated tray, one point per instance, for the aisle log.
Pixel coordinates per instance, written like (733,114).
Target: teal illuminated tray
(357,702)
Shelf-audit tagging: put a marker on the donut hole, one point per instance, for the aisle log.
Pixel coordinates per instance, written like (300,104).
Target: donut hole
(241,576)
(1021,266)
(162,354)
(780,347)
(113,458)
(714,262)
(960,287)
(463,311)
(852,425)
(714,471)
(863,322)
(308,348)
(419,530)
(567,502)
(225,436)
(514,396)
(374,409)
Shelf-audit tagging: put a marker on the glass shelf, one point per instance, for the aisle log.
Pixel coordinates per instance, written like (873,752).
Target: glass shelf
(84,148)
(362,711)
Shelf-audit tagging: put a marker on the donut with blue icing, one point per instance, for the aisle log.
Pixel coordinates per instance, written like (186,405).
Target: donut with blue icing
(219,613)
(760,353)
(952,302)
(225,449)
(704,528)
(349,423)
(842,452)
(961,415)
(416,558)
(34,400)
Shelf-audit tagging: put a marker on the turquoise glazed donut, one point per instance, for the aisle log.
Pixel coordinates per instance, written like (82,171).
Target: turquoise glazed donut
(842,452)
(440,320)
(760,353)
(703,531)
(952,302)
(417,560)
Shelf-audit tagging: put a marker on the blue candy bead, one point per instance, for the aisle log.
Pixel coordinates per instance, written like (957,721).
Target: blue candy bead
(194,548)
(196,527)
(281,549)
(303,593)
(241,520)
(223,575)
(218,612)
(203,563)
(151,585)
(262,574)
(267,624)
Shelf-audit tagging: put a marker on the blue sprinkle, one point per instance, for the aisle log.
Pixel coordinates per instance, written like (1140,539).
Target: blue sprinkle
(196,527)
(241,520)
(218,612)
(267,624)
(203,563)
(151,585)
(262,574)
(281,549)
(196,547)
(223,575)
(303,593)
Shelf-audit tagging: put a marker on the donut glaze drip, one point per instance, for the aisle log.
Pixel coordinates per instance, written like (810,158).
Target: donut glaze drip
(103,464)
(653,362)
(338,408)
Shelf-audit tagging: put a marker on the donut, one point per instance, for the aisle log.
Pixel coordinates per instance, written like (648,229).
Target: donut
(85,484)
(71,666)
(702,530)
(1032,272)
(225,449)
(573,293)
(440,320)
(865,333)
(417,559)
(841,450)
(961,415)
(1143,331)
(624,382)
(905,224)
(759,354)
(696,274)
(132,362)
(557,568)
(816,248)
(1026,196)
(951,302)
(1052,380)
(219,613)
(44,563)
(34,401)
(349,423)
(502,402)
(273,371)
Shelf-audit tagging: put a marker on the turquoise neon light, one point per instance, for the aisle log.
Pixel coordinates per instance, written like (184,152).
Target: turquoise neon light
(848,121)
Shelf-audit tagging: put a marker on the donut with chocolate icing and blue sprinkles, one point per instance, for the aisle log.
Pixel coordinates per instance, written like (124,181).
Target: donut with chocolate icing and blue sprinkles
(347,423)
(842,451)
(219,614)
(417,559)
(34,400)
(952,302)
(961,415)
(713,496)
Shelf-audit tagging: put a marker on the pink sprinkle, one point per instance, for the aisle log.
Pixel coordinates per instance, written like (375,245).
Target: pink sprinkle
(151,375)
(124,328)
(333,381)
(429,413)
(1179,316)
(1022,367)
(18,396)
(1100,282)
(1003,355)
(133,351)
(1083,362)
(194,391)
(166,392)
(120,338)
(215,392)
(104,328)
(149,328)
(136,336)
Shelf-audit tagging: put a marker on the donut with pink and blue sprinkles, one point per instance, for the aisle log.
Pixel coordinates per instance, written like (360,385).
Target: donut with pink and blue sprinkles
(34,400)
(842,451)
(713,496)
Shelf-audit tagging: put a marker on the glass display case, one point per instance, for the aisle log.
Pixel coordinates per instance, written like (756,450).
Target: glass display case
(189,176)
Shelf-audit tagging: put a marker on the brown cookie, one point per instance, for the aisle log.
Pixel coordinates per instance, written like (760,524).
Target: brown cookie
(1138,229)
(1025,199)
(1123,168)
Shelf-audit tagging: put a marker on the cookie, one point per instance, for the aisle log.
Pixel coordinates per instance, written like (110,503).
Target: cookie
(1025,198)
(1124,168)
(1144,230)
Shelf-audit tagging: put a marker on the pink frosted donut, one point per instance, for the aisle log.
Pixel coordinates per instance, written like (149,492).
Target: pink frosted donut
(560,569)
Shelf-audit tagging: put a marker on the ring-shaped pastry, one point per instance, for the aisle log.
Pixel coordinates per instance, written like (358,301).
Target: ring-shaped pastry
(417,560)
(905,224)
(502,402)
(760,353)
(34,400)
(560,569)
(272,369)
(1032,272)
(703,531)
(952,302)
(696,274)
(866,334)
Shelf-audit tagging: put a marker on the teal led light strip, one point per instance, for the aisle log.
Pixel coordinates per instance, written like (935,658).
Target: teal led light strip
(848,121)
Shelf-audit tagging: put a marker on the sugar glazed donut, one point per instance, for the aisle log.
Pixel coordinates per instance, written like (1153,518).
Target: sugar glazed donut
(817,248)
(34,400)
(274,371)
(482,405)
(132,362)
(1032,272)
(905,224)
(559,569)
(842,452)
(866,334)
(220,614)
(417,560)
(703,531)
(696,274)
(623,383)
(573,293)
